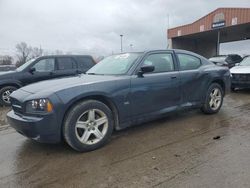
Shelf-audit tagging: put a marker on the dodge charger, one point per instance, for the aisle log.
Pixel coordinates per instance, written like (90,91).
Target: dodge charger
(120,91)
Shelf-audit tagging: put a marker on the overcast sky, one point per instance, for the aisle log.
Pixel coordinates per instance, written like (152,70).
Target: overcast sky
(94,26)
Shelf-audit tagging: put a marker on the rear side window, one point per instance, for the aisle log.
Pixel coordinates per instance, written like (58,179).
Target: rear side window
(85,63)
(65,63)
(188,62)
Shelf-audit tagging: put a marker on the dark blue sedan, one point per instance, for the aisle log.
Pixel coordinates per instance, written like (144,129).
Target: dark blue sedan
(120,91)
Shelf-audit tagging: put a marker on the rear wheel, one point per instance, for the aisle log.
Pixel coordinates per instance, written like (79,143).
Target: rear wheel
(214,99)
(88,125)
(5,95)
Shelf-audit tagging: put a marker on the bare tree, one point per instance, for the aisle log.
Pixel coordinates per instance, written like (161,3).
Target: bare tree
(6,60)
(23,53)
(36,52)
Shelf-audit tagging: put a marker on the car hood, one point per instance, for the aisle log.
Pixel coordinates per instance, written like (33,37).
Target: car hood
(6,73)
(240,70)
(52,86)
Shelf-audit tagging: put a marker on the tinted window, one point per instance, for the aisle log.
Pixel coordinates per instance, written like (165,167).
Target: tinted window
(85,63)
(65,63)
(45,65)
(188,62)
(236,58)
(162,62)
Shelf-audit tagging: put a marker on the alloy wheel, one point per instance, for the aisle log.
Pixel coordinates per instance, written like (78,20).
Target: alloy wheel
(91,126)
(215,99)
(6,96)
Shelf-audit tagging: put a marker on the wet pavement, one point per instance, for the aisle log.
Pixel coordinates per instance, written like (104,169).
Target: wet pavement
(187,149)
(3,119)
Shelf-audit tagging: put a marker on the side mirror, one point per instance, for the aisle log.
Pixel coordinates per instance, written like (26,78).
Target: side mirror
(237,64)
(146,69)
(32,70)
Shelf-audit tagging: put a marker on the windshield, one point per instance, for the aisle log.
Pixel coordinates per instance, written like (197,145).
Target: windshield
(245,61)
(115,64)
(23,66)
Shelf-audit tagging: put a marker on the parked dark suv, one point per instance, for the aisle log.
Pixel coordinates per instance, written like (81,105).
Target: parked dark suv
(42,68)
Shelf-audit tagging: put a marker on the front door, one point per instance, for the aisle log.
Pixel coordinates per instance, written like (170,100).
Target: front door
(159,91)
(43,70)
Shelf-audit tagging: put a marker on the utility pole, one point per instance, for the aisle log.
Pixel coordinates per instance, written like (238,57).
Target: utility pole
(167,30)
(121,42)
(218,44)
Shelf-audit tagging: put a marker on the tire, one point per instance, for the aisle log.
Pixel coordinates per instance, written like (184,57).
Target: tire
(88,125)
(213,105)
(232,89)
(4,95)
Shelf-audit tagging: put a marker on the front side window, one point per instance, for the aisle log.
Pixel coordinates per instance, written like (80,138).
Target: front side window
(188,62)
(65,63)
(162,62)
(45,65)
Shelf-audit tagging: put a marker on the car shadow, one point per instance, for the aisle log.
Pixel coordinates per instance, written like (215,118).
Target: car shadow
(47,149)
(243,91)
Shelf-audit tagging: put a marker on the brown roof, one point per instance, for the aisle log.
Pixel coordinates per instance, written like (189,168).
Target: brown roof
(232,16)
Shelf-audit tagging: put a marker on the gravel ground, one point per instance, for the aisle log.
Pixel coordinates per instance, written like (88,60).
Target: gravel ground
(3,120)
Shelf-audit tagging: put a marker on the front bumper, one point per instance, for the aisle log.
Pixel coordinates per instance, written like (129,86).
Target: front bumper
(43,129)
(240,84)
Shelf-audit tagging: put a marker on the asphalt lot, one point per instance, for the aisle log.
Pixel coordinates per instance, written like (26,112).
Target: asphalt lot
(178,151)
(3,120)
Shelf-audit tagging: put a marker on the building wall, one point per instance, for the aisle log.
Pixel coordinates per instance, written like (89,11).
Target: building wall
(205,23)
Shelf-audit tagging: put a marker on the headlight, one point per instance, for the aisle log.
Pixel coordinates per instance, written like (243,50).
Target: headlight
(39,106)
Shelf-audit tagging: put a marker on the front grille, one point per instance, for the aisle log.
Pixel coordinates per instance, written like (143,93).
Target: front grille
(16,106)
(241,77)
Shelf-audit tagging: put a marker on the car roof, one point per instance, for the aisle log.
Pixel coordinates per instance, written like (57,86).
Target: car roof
(164,50)
(50,56)
(168,50)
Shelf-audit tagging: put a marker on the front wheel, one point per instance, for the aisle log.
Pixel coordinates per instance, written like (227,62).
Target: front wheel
(214,99)
(5,95)
(88,125)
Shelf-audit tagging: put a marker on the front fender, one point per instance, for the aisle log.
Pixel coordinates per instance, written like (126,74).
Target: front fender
(11,82)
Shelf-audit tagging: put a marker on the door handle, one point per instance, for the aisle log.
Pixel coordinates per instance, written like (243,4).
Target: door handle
(173,77)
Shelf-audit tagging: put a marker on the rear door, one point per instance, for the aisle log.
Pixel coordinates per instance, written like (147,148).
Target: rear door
(84,63)
(191,78)
(65,66)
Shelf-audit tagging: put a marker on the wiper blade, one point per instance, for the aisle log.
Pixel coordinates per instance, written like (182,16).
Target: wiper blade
(92,73)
